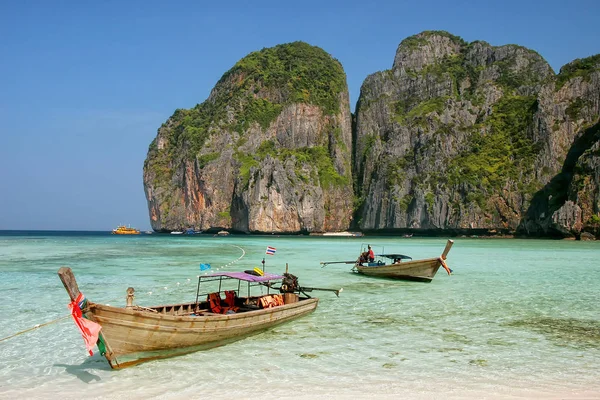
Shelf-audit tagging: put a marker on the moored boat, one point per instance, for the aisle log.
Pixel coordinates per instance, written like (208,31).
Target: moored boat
(395,266)
(343,234)
(125,230)
(134,334)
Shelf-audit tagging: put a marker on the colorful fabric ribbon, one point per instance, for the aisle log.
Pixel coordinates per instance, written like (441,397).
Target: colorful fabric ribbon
(448,270)
(89,329)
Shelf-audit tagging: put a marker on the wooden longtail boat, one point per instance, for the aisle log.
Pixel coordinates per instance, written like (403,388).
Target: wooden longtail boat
(393,266)
(135,334)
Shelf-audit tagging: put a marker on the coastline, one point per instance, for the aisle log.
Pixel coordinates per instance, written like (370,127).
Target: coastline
(404,234)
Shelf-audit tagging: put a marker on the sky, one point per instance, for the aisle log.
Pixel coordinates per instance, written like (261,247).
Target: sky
(84,85)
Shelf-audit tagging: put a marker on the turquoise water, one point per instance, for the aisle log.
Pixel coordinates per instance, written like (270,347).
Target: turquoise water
(517,319)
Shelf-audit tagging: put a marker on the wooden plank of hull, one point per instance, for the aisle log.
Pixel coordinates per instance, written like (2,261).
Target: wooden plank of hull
(135,336)
(417,270)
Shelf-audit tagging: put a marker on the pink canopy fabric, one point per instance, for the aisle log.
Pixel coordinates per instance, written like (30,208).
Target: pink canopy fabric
(246,277)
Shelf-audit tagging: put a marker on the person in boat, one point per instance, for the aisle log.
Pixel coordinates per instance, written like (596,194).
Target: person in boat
(371,255)
(363,258)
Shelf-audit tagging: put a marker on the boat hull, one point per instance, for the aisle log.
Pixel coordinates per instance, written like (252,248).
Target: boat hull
(416,270)
(133,336)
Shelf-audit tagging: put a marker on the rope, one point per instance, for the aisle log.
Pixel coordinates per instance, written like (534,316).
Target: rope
(205,273)
(36,327)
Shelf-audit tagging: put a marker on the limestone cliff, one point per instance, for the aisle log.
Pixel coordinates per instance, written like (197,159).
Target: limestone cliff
(268,151)
(569,204)
(456,137)
(462,136)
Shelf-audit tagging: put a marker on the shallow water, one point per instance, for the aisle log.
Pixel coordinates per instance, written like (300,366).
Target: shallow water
(517,319)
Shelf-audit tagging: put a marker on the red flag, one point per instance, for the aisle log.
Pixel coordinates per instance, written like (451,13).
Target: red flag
(89,329)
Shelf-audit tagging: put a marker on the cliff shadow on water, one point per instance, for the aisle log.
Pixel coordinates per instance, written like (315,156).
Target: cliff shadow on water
(545,203)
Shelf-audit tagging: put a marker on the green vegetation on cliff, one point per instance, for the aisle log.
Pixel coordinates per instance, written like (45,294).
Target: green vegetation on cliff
(255,90)
(298,72)
(315,159)
(581,67)
(192,128)
(462,74)
(499,150)
(416,41)
(159,163)
(574,109)
(435,104)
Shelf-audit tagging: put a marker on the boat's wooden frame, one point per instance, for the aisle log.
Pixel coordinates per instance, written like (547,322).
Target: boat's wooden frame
(136,334)
(415,270)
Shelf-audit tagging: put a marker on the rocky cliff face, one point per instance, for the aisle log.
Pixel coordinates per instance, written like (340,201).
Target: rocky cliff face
(463,136)
(584,193)
(568,205)
(268,151)
(456,137)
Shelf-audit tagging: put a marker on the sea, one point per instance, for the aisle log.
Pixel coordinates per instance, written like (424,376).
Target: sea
(517,319)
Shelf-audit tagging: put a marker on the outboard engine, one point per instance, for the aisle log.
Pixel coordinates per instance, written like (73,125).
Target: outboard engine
(289,284)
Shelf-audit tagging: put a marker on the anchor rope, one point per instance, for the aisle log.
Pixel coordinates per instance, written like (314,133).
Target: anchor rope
(116,298)
(177,284)
(36,327)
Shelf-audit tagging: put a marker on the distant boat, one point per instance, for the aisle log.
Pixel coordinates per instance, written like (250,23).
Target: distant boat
(148,232)
(223,233)
(176,233)
(391,265)
(125,230)
(344,234)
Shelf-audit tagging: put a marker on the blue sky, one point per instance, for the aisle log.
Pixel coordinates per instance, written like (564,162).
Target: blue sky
(84,85)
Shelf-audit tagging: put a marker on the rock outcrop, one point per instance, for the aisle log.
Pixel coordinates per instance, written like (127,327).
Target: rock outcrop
(461,137)
(456,138)
(569,204)
(268,151)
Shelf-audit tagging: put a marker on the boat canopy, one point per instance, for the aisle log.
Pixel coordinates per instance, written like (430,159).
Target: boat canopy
(239,277)
(395,256)
(243,276)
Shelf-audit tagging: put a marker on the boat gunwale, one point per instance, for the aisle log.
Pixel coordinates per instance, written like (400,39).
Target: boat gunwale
(195,318)
(400,264)
(201,326)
